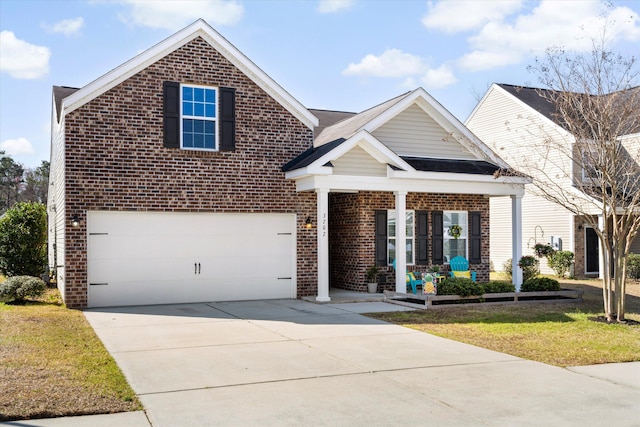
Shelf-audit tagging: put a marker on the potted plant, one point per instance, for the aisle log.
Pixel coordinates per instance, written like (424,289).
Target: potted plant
(372,276)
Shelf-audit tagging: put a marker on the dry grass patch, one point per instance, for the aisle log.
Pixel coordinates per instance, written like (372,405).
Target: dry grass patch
(558,334)
(52,364)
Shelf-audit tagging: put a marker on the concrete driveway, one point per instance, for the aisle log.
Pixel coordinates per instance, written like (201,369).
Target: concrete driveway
(291,362)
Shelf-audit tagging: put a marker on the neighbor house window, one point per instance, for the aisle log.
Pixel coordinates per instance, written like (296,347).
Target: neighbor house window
(199,113)
(592,158)
(391,236)
(455,238)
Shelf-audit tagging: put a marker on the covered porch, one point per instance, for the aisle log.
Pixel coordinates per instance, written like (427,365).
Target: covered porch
(434,188)
(363,253)
(396,178)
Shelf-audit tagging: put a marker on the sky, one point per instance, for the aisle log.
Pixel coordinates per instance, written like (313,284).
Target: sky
(344,55)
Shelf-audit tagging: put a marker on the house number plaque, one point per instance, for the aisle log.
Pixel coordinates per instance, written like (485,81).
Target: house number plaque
(324,225)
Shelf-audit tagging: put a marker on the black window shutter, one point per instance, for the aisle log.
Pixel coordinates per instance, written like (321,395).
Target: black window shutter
(475,238)
(381,238)
(227,119)
(171,113)
(422,237)
(437,237)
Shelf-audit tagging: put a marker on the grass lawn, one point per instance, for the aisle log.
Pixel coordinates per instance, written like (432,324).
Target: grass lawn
(562,334)
(52,364)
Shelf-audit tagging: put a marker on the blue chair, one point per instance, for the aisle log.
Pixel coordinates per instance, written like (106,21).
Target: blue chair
(460,268)
(412,281)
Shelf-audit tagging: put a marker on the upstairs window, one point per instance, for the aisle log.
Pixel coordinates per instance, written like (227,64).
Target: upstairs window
(198,117)
(199,112)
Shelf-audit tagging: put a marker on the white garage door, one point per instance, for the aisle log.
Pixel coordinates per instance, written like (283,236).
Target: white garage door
(160,258)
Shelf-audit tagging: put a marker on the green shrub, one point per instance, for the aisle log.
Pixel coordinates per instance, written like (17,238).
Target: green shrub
(507,267)
(498,287)
(633,266)
(459,286)
(18,288)
(23,240)
(529,265)
(560,262)
(540,284)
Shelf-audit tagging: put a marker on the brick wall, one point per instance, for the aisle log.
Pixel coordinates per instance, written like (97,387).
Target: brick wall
(115,159)
(352,231)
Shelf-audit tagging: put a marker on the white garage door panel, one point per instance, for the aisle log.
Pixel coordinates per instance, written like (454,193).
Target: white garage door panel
(151,258)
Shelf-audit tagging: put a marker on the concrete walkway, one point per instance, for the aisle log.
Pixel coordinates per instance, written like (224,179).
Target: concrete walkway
(292,362)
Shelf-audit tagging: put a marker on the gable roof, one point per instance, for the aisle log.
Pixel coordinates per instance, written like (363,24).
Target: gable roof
(328,118)
(351,125)
(535,99)
(318,158)
(531,97)
(373,118)
(198,29)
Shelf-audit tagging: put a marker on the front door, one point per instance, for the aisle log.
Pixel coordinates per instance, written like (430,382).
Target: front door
(591,244)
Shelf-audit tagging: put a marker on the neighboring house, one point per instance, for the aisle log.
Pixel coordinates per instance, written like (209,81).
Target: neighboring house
(513,121)
(187,174)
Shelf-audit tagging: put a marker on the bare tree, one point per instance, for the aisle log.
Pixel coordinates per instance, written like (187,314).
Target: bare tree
(596,102)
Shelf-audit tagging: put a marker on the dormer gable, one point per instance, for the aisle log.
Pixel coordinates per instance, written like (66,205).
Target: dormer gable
(414,124)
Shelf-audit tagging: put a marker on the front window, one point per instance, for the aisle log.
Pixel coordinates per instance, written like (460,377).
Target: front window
(455,228)
(199,112)
(391,235)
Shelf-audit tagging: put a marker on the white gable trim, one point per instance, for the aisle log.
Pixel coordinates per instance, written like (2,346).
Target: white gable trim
(526,106)
(362,139)
(198,29)
(444,118)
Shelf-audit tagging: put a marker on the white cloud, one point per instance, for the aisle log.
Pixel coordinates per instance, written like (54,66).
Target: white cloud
(571,24)
(67,27)
(439,78)
(334,6)
(21,59)
(394,63)
(463,15)
(174,15)
(16,147)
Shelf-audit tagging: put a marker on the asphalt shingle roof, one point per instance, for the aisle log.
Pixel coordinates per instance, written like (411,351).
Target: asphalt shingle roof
(474,167)
(311,155)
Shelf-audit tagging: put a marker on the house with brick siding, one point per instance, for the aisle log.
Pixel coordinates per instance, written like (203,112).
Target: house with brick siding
(187,175)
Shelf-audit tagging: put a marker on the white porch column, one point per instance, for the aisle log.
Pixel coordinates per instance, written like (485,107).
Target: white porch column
(600,249)
(401,241)
(516,240)
(323,244)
